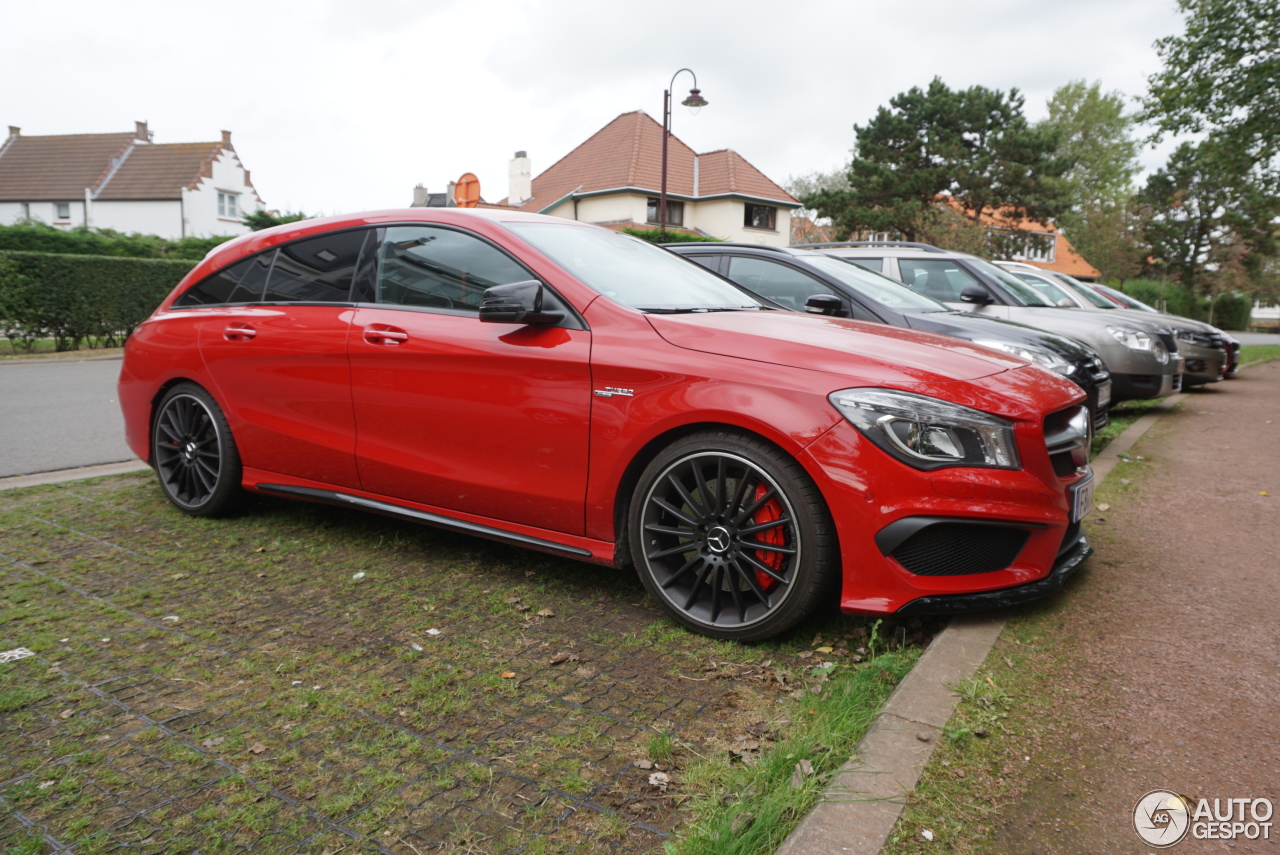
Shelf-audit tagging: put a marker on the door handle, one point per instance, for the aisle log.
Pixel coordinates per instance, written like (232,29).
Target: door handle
(239,332)
(385,334)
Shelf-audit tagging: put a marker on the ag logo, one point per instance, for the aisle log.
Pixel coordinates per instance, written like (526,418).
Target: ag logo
(1161,818)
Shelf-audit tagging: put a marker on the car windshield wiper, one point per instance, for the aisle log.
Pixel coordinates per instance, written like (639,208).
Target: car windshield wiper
(685,310)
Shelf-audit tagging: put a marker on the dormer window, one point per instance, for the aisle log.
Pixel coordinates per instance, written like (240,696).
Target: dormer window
(228,205)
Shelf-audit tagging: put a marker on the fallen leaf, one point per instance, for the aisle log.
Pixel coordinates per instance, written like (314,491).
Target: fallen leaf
(1104,507)
(826,650)
(213,741)
(564,656)
(416,646)
(522,608)
(643,764)
(1263,493)
(512,600)
(661,780)
(507,675)
(356,577)
(802,770)
(927,835)
(433,631)
(47,784)
(257,748)
(546,613)
(66,714)
(176,576)
(804,654)
(170,618)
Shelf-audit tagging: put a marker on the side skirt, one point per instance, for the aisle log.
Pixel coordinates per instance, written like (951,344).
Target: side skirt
(346,499)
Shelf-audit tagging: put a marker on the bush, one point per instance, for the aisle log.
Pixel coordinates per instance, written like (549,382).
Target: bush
(1230,311)
(35,236)
(72,299)
(654,235)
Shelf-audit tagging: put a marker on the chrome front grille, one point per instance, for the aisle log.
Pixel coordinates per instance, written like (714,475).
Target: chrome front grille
(1067,435)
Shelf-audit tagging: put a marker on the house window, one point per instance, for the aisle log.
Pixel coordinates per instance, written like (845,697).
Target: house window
(675,212)
(62,210)
(761,217)
(227,205)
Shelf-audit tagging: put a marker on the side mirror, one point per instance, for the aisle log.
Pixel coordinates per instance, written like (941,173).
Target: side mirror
(517,303)
(974,294)
(823,304)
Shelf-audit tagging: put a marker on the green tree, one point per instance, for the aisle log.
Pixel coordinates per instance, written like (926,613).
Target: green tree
(263,219)
(1096,135)
(974,144)
(1206,225)
(1222,77)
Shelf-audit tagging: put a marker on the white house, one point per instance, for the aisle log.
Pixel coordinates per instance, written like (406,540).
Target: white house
(614,179)
(126,182)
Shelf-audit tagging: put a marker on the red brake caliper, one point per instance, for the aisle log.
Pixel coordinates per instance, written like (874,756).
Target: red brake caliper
(770,511)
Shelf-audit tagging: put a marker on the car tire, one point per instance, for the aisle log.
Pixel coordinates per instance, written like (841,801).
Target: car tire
(731,536)
(195,455)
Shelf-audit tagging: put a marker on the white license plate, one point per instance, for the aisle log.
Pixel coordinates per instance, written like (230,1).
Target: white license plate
(1104,395)
(1081,496)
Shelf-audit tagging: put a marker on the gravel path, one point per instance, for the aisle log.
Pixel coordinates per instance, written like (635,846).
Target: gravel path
(1173,633)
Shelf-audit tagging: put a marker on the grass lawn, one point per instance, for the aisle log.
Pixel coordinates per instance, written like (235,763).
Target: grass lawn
(44,348)
(230,686)
(1256,352)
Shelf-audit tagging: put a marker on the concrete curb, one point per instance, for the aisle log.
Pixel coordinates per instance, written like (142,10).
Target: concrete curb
(79,473)
(56,360)
(864,799)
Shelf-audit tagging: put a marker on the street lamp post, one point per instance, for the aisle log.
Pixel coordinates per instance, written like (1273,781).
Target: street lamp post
(695,101)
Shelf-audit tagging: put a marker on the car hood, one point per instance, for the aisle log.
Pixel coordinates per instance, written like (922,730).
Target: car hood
(1078,321)
(834,345)
(975,328)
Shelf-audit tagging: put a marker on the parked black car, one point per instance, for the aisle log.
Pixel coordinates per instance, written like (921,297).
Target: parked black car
(800,280)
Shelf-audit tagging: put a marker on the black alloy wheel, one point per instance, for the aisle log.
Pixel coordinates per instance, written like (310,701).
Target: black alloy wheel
(194,454)
(731,536)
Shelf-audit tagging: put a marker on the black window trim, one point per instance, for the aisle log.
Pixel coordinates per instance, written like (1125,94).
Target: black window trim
(853,304)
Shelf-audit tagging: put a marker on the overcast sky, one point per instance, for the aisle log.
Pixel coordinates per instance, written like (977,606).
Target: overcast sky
(341,106)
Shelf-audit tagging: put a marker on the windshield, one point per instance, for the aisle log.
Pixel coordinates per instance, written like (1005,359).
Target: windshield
(631,271)
(1131,302)
(873,286)
(1086,293)
(1025,292)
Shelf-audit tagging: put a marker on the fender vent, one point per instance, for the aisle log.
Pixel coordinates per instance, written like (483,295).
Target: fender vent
(959,549)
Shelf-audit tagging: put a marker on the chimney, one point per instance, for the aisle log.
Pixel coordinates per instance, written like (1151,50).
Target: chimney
(14,131)
(141,134)
(450,200)
(419,197)
(226,139)
(520,180)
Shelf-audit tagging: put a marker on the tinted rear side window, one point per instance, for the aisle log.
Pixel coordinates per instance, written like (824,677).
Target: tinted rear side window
(781,284)
(228,286)
(316,270)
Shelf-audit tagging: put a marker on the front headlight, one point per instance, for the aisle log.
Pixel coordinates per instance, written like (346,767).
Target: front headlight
(1045,358)
(927,433)
(1131,338)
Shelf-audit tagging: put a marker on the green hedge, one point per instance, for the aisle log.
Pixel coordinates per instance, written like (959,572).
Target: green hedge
(654,235)
(1230,311)
(75,299)
(35,236)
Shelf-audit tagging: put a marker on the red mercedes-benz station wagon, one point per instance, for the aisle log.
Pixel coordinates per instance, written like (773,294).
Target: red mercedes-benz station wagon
(567,388)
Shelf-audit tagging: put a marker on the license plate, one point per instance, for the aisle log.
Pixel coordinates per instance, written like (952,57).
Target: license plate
(1104,394)
(1081,497)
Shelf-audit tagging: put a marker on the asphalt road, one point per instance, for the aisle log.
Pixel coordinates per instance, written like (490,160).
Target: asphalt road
(1256,338)
(55,415)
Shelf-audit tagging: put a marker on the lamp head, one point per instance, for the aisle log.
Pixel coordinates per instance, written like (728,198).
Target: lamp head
(695,101)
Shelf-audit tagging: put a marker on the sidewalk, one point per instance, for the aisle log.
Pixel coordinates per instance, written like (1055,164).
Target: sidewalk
(1172,636)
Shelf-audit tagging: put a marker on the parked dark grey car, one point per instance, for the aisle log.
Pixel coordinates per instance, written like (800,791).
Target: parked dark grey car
(1141,355)
(800,280)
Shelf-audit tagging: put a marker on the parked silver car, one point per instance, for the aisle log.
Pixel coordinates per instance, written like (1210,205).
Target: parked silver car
(1203,348)
(1142,355)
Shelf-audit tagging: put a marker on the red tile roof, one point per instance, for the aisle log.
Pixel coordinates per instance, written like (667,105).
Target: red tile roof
(57,168)
(60,168)
(161,171)
(1065,257)
(627,152)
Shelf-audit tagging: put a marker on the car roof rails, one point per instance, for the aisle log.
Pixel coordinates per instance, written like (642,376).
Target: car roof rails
(720,244)
(890,243)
